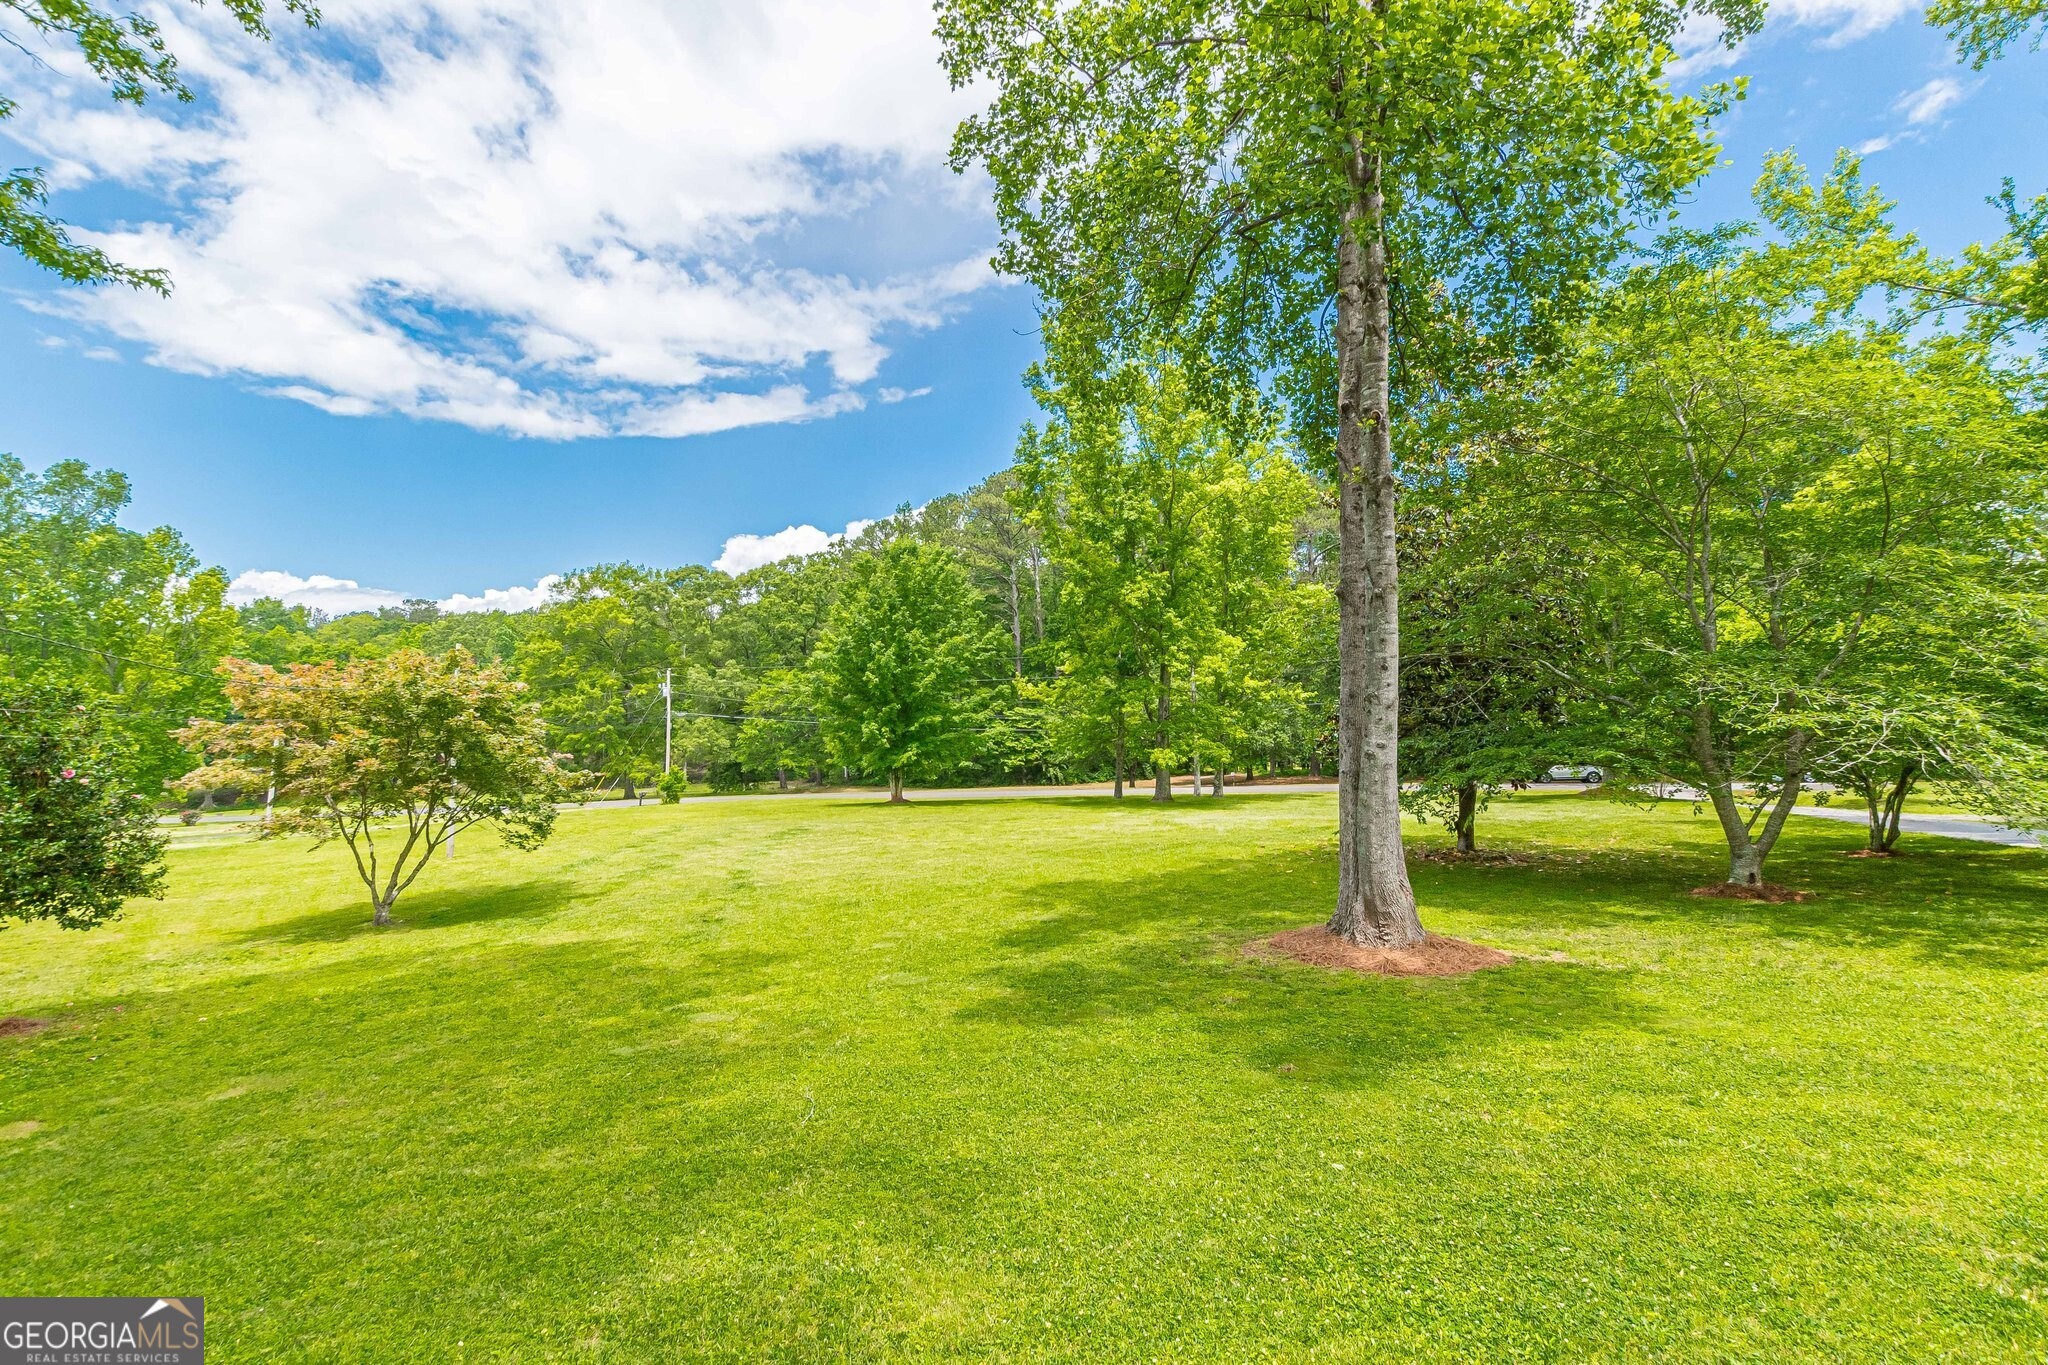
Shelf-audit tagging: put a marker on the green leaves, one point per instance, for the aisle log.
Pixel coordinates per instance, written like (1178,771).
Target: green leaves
(1983,29)
(899,678)
(1174,541)
(1790,517)
(1175,175)
(437,743)
(76,838)
(128,53)
(129,616)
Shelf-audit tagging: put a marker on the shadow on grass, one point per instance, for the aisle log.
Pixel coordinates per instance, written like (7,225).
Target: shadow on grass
(441,908)
(1119,950)
(1947,900)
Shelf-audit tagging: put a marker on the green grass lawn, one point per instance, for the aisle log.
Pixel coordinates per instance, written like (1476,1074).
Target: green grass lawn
(828,1080)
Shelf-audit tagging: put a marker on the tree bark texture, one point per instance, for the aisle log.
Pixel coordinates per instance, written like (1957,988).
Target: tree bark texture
(1886,802)
(1162,768)
(1375,904)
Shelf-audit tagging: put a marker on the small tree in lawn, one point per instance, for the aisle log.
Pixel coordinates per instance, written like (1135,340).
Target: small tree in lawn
(896,672)
(76,838)
(392,756)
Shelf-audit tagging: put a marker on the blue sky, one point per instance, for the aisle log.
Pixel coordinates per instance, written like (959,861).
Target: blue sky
(422,289)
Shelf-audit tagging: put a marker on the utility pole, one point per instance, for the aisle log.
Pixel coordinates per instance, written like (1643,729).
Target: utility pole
(668,718)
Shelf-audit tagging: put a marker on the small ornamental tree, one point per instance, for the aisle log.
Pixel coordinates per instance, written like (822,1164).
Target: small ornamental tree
(76,838)
(896,672)
(393,756)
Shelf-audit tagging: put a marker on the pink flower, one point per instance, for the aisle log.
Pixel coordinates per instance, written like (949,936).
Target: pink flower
(70,773)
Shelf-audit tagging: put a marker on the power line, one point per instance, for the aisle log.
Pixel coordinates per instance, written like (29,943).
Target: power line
(109,654)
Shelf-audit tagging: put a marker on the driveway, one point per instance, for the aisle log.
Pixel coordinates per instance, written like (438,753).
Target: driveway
(1948,826)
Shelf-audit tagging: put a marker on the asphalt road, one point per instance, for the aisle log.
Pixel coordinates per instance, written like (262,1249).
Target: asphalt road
(1182,787)
(1948,826)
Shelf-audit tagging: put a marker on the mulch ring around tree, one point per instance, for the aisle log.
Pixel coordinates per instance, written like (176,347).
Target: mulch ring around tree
(16,1026)
(1760,891)
(1480,857)
(1436,955)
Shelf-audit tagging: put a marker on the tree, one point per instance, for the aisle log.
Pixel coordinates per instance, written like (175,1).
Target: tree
(1955,698)
(1115,487)
(779,733)
(1262,615)
(1482,694)
(1983,29)
(76,838)
(1174,540)
(131,616)
(595,659)
(1764,504)
(895,677)
(128,53)
(1839,240)
(1299,196)
(1001,553)
(436,744)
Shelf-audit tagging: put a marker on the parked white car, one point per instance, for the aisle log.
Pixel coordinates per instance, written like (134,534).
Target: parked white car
(1573,772)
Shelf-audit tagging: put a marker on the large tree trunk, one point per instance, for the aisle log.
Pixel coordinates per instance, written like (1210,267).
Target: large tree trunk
(1162,768)
(896,784)
(1016,622)
(1119,755)
(1468,817)
(1375,904)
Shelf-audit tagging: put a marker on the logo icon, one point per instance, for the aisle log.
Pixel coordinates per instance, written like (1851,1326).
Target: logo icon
(102,1331)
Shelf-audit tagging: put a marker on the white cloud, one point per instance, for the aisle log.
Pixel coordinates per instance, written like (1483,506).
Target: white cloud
(896,395)
(745,552)
(339,596)
(505,599)
(1918,107)
(556,218)
(1930,101)
(1845,20)
(1842,22)
(335,596)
